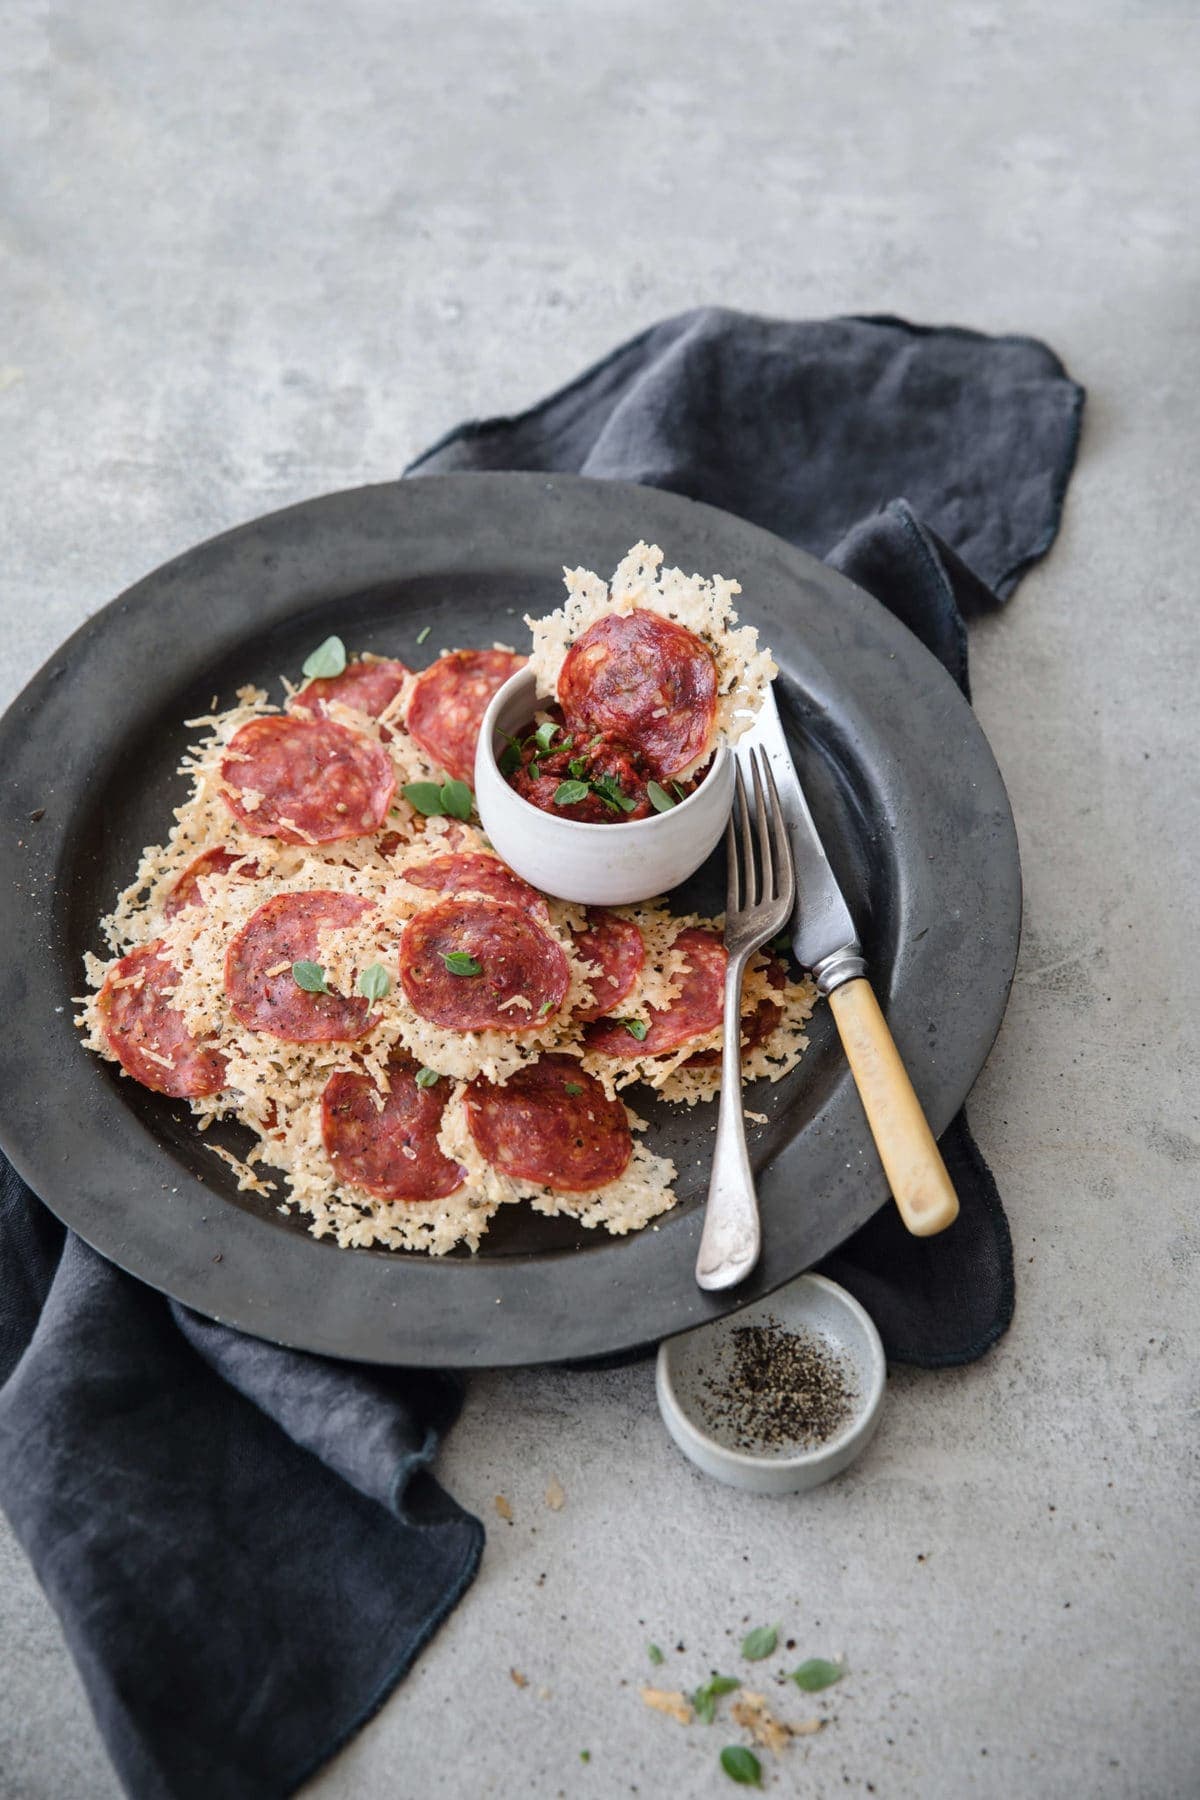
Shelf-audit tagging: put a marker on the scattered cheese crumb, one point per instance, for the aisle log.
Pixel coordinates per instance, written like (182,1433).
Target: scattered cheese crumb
(503,1508)
(674,1705)
(555,1495)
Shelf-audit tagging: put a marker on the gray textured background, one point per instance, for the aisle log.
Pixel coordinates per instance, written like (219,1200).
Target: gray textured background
(250,253)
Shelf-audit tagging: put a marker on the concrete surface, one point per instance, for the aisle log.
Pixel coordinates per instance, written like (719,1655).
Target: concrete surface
(253,253)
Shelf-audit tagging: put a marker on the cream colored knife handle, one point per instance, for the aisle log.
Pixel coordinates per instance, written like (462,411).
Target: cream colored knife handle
(910,1157)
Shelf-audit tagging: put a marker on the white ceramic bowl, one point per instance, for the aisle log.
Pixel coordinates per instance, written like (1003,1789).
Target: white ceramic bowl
(595,865)
(812,1304)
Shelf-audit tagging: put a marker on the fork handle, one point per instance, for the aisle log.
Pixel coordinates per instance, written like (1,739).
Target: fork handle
(911,1159)
(732,1236)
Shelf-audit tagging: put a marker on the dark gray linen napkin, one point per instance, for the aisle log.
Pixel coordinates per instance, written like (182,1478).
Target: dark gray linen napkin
(244,1544)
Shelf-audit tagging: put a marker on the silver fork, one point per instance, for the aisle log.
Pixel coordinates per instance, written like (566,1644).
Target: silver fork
(758,904)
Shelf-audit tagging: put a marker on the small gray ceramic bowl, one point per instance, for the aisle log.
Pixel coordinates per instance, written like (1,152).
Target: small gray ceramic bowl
(812,1305)
(595,865)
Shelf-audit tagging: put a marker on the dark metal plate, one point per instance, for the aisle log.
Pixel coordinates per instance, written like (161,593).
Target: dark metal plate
(902,783)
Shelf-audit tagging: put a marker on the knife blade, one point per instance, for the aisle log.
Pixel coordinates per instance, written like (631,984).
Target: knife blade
(821,925)
(826,942)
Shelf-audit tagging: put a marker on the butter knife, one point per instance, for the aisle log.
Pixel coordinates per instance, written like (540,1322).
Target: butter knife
(825,940)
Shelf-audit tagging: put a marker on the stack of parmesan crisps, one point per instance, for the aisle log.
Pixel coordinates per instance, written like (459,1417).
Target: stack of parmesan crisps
(411,1034)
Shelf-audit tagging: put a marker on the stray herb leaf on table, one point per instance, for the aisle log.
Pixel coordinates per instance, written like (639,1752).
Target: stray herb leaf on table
(705,1698)
(816,1674)
(760,1642)
(652,1650)
(741,1765)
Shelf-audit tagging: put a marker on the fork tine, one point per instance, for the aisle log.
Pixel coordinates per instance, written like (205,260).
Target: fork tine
(751,891)
(733,898)
(766,888)
(785,867)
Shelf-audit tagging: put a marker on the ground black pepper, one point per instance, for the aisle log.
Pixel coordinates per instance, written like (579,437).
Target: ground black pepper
(777,1389)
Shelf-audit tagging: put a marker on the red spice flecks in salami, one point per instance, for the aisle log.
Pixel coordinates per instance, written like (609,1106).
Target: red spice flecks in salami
(696,1010)
(523,974)
(318,782)
(471,871)
(757,1024)
(369,686)
(147,1034)
(616,952)
(448,701)
(648,681)
(553,1124)
(390,1151)
(219,861)
(262,990)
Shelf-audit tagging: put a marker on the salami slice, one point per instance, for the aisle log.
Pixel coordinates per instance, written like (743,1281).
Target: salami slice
(147,1035)
(757,1024)
(448,702)
(470,871)
(648,681)
(696,1010)
(522,976)
(262,990)
(615,950)
(315,781)
(391,1151)
(219,861)
(551,1123)
(370,686)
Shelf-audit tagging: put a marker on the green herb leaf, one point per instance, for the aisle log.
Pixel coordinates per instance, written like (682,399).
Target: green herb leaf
(782,942)
(543,737)
(374,982)
(310,976)
(510,759)
(705,1698)
(327,659)
(456,799)
(682,792)
(544,1008)
(741,1765)
(427,1078)
(637,1028)
(660,800)
(575,1088)
(606,787)
(592,742)
(652,1650)
(570,793)
(585,1756)
(816,1674)
(577,767)
(424,797)
(460,962)
(423,634)
(760,1642)
(535,768)
(567,743)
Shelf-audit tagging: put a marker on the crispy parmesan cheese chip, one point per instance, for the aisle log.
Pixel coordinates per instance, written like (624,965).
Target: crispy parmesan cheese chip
(659,654)
(446,703)
(306,781)
(148,1035)
(369,686)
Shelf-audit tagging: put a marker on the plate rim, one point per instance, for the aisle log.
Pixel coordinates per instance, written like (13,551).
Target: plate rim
(221,1289)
